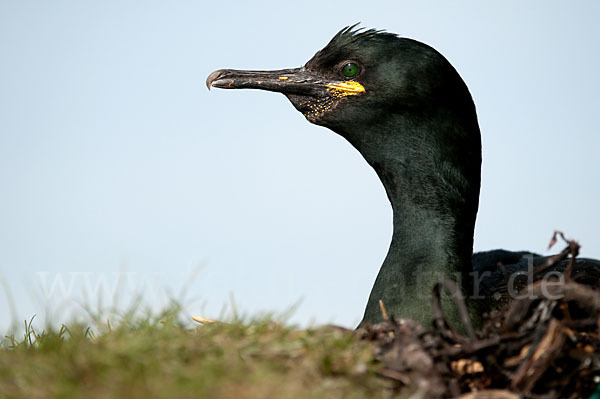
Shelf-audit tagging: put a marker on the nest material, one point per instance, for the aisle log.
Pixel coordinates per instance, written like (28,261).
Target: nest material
(546,345)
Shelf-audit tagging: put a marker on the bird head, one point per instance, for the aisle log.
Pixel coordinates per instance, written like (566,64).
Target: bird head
(358,77)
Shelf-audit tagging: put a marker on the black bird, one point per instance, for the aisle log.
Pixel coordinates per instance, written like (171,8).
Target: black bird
(404,107)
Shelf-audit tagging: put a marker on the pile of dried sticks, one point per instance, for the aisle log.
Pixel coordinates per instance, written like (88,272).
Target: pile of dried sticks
(538,347)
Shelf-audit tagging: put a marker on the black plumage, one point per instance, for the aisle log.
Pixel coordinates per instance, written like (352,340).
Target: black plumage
(404,107)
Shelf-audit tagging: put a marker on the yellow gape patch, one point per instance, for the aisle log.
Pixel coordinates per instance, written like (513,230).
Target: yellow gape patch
(348,88)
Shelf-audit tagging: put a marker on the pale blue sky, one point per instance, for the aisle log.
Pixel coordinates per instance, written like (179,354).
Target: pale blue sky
(114,158)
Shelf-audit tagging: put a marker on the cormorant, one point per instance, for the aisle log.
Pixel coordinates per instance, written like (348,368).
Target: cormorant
(404,107)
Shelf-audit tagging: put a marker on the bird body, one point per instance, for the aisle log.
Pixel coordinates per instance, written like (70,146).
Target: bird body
(407,111)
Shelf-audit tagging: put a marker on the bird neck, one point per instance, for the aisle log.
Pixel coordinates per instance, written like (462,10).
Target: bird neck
(422,252)
(430,168)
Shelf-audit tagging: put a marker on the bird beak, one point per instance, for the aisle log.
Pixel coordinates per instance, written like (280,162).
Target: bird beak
(287,81)
(296,81)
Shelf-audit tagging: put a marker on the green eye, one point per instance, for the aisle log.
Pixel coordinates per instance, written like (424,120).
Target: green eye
(350,70)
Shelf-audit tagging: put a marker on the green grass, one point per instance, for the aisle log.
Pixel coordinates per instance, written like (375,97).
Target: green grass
(160,357)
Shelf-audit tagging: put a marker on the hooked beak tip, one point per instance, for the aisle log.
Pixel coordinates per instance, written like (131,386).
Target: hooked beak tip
(213,77)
